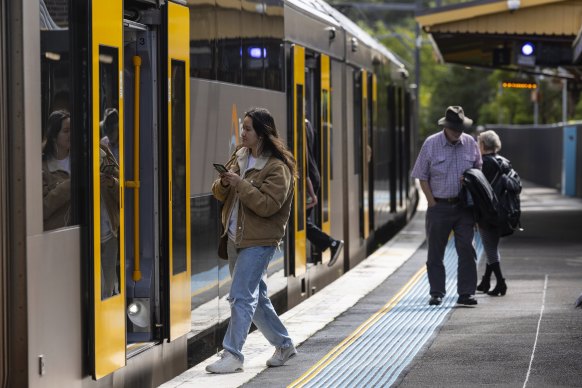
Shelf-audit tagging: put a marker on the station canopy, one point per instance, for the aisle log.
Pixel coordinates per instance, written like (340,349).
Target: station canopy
(511,34)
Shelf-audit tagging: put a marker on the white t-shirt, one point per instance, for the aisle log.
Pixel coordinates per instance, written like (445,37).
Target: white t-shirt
(232,222)
(59,164)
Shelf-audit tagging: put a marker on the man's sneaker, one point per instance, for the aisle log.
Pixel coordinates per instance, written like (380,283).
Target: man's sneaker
(281,356)
(228,363)
(335,249)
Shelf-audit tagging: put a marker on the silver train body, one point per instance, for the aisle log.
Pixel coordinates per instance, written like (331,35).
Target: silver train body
(175,78)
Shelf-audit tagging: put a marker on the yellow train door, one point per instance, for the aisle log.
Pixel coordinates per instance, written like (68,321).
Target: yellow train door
(365,155)
(325,149)
(298,137)
(178,173)
(107,243)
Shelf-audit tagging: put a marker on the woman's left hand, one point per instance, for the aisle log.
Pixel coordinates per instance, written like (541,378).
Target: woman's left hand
(232,178)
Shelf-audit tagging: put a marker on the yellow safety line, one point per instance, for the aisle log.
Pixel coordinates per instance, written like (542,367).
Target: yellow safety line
(342,346)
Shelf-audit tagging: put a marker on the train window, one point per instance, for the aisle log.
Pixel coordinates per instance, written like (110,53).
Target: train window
(325,156)
(274,61)
(202,38)
(273,31)
(381,149)
(300,157)
(357,93)
(238,42)
(109,169)
(393,159)
(254,51)
(178,166)
(228,45)
(57,157)
(253,57)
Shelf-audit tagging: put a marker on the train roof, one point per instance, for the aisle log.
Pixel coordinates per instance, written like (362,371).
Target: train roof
(324,11)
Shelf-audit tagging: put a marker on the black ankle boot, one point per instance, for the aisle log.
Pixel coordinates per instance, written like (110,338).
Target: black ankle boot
(484,285)
(500,288)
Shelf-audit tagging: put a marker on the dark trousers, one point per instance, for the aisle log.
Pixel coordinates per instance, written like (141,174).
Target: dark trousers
(315,235)
(490,238)
(441,219)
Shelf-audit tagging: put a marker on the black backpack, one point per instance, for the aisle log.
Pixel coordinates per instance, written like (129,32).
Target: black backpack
(507,187)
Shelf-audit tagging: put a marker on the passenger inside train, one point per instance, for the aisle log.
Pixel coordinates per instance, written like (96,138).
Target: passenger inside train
(321,240)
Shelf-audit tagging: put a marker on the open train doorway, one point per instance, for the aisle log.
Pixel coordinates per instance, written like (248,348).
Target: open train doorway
(317,142)
(142,208)
(140,156)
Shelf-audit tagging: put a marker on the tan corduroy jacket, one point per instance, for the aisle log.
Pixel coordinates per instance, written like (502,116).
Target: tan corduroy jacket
(56,197)
(265,195)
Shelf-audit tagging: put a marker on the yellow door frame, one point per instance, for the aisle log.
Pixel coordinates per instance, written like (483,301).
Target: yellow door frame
(299,150)
(109,324)
(179,50)
(325,150)
(365,152)
(373,125)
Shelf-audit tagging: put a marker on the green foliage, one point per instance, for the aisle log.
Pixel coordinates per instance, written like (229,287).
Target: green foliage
(455,85)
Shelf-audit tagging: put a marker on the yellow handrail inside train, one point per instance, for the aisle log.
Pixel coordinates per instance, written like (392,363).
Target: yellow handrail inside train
(135,183)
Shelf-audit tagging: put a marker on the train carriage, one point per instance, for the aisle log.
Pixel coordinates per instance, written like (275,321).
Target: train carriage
(109,274)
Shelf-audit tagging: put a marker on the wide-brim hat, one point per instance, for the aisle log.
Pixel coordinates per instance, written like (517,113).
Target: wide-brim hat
(455,119)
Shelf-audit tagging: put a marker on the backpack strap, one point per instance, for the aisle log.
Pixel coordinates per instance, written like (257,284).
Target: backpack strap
(504,164)
(499,172)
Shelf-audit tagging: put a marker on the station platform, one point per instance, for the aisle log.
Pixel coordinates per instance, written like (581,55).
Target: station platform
(373,327)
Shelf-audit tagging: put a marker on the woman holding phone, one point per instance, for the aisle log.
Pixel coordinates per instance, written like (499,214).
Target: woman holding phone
(257,192)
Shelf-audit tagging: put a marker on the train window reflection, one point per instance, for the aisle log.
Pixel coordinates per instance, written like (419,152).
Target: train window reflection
(56,117)
(273,42)
(253,50)
(178,166)
(325,156)
(357,106)
(109,170)
(274,65)
(253,63)
(228,43)
(202,38)
(56,171)
(238,42)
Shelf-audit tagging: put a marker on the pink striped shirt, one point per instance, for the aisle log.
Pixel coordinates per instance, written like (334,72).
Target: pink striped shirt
(442,163)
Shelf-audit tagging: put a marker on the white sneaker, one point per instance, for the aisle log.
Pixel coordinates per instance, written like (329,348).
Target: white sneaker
(281,356)
(228,363)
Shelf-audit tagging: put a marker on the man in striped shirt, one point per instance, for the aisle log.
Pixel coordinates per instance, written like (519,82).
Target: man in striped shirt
(439,167)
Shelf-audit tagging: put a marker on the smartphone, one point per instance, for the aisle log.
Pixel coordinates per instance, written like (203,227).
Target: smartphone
(220,168)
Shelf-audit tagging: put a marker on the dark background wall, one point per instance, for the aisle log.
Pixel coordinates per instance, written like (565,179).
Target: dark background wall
(536,153)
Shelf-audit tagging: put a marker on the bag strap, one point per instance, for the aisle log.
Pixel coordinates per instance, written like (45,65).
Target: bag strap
(499,172)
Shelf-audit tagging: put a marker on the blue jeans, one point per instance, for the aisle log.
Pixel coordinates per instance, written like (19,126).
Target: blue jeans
(249,301)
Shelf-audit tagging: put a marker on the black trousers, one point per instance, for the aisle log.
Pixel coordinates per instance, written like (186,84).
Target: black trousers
(316,236)
(441,219)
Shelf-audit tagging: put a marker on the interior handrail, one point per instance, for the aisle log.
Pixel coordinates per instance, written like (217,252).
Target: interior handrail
(135,183)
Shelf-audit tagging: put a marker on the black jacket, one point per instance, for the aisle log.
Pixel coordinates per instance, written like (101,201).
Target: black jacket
(484,199)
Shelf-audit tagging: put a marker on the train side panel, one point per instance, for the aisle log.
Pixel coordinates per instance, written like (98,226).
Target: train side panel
(217,111)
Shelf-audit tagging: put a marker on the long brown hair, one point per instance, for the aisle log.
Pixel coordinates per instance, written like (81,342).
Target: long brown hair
(54,126)
(264,126)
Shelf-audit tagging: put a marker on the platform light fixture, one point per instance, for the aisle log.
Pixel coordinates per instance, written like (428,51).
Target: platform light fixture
(528,49)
